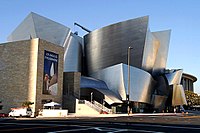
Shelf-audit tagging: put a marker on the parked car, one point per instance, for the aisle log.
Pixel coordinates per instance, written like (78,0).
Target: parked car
(3,115)
(20,112)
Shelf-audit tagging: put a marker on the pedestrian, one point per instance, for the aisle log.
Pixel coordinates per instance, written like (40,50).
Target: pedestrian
(174,110)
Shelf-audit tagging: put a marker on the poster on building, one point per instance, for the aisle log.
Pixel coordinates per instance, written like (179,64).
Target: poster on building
(50,75)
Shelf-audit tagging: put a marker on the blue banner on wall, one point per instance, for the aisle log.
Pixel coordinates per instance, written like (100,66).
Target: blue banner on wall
(50,76)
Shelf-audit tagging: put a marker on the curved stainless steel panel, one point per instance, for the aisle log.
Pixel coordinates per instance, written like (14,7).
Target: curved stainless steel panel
(73,53)
(161,59)
(174,76)
(162,87)
(178,97)
(108,46)
(141,83)
(113,77)
(159,101)
(88,82)
(151,48)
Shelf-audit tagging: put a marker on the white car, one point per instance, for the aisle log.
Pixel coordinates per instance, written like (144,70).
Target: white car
(20,112)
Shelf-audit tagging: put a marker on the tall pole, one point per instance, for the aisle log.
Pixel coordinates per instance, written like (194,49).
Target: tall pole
(128,94)
(91,94)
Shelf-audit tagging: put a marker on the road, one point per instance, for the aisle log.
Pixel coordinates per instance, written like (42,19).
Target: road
(85,125)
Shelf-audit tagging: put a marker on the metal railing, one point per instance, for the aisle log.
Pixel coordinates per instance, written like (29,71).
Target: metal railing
(102,107)
(95,105)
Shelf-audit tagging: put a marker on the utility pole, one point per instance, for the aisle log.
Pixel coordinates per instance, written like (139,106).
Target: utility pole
(128,94)
(91,94)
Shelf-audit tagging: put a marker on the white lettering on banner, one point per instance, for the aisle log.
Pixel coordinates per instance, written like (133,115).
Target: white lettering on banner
(52,59)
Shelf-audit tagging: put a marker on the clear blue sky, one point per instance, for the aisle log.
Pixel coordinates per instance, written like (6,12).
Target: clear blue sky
(181,16)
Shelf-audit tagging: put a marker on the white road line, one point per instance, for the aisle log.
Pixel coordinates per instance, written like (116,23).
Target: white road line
(116,130)
(142,125)
(112,130)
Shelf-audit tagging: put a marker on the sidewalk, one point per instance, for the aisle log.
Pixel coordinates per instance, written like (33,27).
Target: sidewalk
(81,116)
(120,115)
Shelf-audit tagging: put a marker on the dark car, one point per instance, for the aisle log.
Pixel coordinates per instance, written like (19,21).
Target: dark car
(3,115)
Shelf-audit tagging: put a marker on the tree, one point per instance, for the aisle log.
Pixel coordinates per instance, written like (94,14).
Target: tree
(27,104)
(192,98)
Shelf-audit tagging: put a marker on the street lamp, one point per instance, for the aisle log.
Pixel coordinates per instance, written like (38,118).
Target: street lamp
(128,94)
(91,95)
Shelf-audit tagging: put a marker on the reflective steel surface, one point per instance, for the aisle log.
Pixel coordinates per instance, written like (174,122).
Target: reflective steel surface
(103,55)
(162,53)
(73,53)
(150,49)
(88,82)
(141,83)
(162,86)
(178,97)
(108,46)
(159,101)
(174,76)
(150,53)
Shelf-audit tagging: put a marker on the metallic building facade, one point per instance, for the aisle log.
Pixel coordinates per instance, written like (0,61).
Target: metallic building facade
(141,85)
(108,46)
(100,86)
(106,51)
(162,53)
(174,76)
(101,57)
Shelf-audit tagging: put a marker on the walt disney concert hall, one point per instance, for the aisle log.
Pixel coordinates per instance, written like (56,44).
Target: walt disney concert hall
(120,65)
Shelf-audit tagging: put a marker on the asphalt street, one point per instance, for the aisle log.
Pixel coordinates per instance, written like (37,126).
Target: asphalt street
(98,125)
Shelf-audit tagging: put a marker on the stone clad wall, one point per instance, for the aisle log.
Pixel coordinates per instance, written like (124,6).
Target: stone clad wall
(71,90)
(44,45)
(14,73)
(21,73)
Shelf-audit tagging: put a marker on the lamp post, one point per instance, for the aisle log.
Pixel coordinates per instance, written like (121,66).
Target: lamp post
(91,95)
(128,94)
